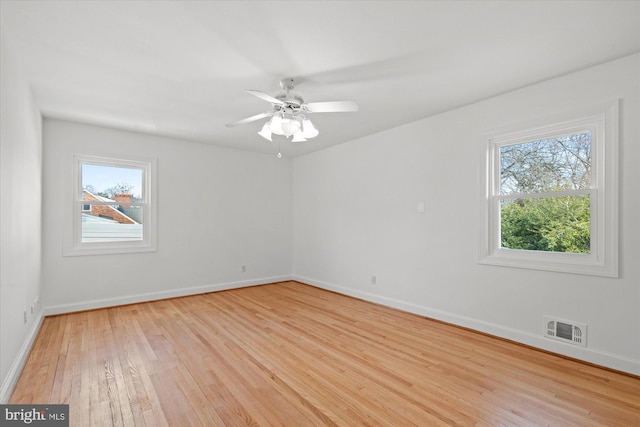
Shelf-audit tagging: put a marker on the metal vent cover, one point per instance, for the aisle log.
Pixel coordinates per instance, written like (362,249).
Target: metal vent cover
(565,330)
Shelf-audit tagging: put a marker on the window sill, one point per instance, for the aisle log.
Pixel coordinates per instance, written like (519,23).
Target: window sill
(553,261)
(110,249)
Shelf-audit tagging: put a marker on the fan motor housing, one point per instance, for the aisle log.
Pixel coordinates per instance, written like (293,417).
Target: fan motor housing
(293,100)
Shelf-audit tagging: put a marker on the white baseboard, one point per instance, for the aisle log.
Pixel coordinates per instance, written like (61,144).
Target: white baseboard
(11,379)
(597,357)
(153,296)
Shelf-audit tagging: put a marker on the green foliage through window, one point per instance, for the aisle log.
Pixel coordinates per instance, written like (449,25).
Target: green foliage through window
(552,224)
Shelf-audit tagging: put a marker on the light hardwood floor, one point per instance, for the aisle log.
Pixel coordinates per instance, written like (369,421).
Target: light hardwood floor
(293,355)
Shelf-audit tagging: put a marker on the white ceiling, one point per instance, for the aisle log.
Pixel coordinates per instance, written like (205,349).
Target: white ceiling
(179,68)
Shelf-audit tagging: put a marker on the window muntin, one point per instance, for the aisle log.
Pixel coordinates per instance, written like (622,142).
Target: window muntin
(596,192)
(113,206)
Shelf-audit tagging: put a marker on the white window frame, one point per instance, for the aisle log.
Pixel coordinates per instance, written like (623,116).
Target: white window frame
(602,121)
(72,240)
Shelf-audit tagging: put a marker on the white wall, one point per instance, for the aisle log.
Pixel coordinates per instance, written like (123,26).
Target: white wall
(20,201)
(355,216)
(218,209)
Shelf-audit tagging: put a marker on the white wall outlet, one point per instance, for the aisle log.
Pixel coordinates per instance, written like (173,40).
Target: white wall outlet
(373,280)
(34,304)
(25,316)
(244,268)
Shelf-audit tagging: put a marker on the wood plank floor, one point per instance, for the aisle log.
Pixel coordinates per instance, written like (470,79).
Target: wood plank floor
(293,355)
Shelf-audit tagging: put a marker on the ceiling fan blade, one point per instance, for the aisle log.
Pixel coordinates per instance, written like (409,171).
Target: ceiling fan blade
(249,119)
(264,96)
(331,106)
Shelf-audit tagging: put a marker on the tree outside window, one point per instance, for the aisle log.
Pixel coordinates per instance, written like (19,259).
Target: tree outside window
(545,185)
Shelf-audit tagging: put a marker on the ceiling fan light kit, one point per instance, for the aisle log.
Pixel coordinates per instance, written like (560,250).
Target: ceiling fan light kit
(287,115)
(265,132)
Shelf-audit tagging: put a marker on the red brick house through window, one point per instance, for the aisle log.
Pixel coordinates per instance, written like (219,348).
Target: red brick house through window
(107,211)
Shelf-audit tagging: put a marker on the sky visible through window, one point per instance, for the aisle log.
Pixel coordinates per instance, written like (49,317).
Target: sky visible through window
(101,178)
(552,164)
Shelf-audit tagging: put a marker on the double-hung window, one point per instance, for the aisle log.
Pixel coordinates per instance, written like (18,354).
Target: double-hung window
(551,196)
(112,208)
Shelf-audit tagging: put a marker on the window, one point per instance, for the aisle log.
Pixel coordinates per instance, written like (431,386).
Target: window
(551,196)
(545,189)
(112,207)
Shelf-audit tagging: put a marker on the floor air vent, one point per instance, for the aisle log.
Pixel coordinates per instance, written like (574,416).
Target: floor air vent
(565,330)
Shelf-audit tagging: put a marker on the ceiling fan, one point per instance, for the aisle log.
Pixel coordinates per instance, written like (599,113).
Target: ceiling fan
(288,113)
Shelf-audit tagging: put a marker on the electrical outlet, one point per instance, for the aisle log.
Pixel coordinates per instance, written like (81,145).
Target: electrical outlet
(25,316)
(34,304)
(244,268)
(373,280)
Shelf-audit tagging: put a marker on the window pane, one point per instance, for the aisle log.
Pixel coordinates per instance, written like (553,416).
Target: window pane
(112,182)
(111,223)
(551,224)
(562,163)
